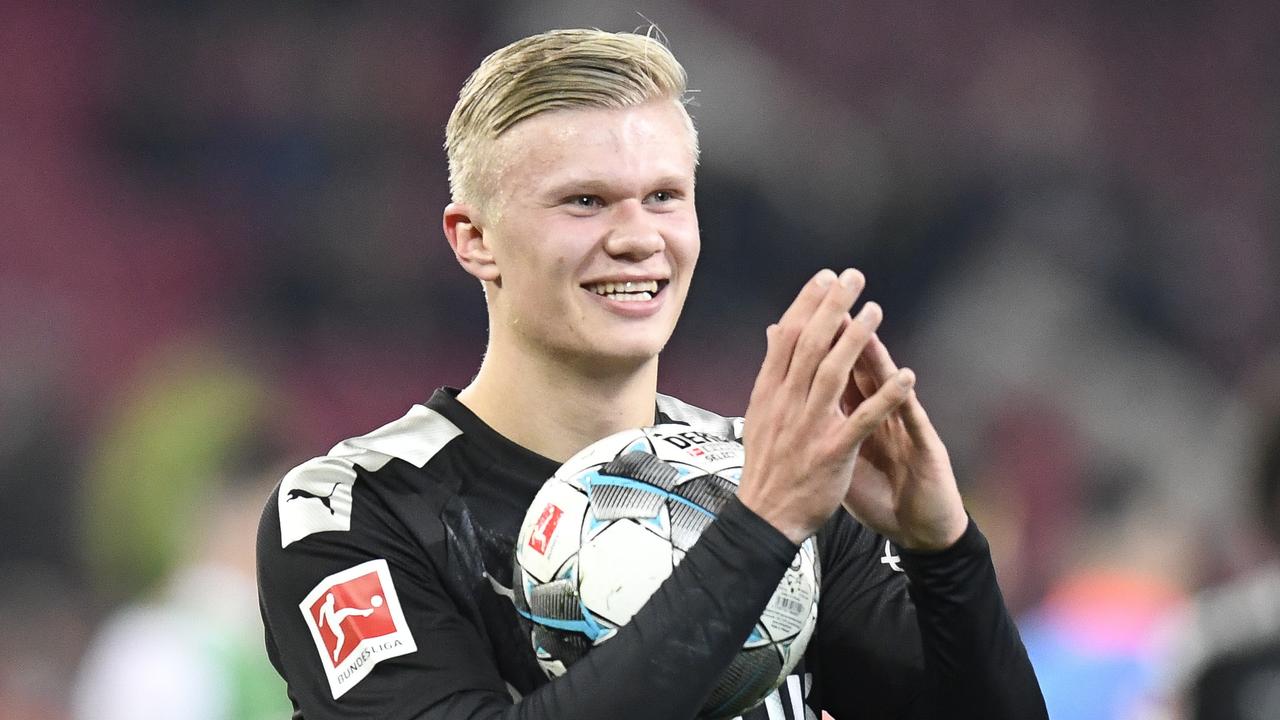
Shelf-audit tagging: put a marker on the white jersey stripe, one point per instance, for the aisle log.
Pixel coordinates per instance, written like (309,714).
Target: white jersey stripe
(797,697)
(773,706)
(316,496)
(699,419)
(414,438)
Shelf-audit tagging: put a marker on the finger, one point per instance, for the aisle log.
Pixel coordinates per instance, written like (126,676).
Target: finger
(878,360)
(873,411)
(854,388)
(774,367)
(818,336)
(832,375)
(811,296)
(916,420)
(783,335)
(863,377)
(851,398)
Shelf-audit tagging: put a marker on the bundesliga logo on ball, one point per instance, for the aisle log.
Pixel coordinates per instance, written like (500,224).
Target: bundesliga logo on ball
(609,527)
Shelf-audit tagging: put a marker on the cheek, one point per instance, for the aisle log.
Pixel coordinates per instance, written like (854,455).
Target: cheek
(686,243)
(534,263)
(695,249)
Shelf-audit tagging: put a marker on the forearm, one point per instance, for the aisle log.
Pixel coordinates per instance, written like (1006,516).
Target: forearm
(669,657)
(975,664)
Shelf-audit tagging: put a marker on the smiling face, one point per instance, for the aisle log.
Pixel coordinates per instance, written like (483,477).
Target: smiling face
(591,235)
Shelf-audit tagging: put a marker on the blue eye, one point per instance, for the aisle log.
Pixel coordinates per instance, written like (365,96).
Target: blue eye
(585,201)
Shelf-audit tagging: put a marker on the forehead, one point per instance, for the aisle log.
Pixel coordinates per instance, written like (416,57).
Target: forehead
(625,144)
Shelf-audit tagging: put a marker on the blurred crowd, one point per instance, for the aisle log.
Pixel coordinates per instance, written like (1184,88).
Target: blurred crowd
(220,254)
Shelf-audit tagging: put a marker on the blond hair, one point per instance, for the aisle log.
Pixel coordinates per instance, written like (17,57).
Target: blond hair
(555,70)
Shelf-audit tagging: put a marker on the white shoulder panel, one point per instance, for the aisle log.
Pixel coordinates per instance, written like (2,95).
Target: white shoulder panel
(699,419)
(316,496)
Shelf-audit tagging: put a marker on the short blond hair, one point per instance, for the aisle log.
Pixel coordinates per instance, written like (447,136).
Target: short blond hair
(555,70)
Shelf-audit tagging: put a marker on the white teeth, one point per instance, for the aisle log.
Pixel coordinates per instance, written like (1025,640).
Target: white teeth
(631,297)
(626,291)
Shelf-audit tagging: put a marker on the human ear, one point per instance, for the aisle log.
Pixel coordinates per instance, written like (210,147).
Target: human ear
(466,236)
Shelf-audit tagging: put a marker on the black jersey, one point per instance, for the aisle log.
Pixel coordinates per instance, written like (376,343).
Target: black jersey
(384,572)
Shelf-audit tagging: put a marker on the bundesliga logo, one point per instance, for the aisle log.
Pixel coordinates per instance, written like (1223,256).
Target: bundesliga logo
(540,538)
(356,622)
(334,619)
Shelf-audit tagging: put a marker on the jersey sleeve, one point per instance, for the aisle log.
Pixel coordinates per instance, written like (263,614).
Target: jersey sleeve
(913,634)
(358,626)
(417,655)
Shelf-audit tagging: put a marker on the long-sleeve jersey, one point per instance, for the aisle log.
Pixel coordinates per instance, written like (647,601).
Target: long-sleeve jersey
(384,572)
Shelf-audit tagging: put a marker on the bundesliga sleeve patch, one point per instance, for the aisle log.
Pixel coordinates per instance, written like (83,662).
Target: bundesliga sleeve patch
(356,621)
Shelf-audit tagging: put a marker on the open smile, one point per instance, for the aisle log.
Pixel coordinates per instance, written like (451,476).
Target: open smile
(628,291)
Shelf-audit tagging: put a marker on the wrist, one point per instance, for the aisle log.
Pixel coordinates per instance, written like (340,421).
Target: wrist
(768,512)
(937,536)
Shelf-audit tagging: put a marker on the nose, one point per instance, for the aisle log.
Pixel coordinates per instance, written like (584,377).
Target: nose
(634,235)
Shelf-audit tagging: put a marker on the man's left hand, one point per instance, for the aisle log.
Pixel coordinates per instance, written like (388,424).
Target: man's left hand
(903,485)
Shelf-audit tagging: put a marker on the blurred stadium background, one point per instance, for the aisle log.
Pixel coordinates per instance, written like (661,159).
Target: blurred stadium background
(220,254)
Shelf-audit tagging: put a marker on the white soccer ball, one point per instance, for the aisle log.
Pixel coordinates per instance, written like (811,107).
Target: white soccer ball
(611,524)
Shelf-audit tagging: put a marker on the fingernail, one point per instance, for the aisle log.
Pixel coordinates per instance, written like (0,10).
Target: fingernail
(846,277)
(906,378)
(824,277)
(868,313)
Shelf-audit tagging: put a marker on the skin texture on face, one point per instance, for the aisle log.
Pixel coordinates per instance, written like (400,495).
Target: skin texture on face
(585,197)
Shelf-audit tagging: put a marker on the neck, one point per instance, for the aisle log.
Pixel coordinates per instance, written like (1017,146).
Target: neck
(554,408)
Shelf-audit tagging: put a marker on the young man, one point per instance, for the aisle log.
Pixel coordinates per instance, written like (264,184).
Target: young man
(572,168)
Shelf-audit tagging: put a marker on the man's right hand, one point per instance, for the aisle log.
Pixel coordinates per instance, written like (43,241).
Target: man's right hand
(801,444)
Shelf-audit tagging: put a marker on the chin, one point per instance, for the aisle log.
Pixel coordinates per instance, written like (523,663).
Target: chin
(626,357)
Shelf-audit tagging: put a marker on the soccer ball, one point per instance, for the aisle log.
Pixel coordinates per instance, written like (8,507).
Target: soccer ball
(611,524)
